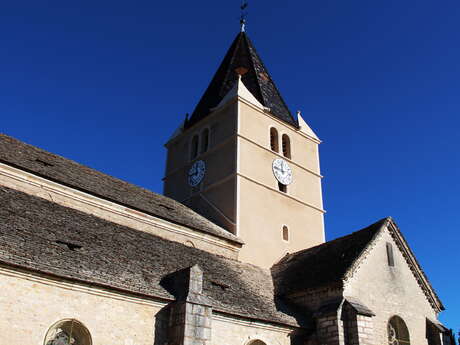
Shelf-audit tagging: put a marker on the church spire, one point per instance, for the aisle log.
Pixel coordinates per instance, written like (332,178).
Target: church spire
(242,59)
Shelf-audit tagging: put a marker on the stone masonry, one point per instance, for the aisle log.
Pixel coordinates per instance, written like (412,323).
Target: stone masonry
(190,316)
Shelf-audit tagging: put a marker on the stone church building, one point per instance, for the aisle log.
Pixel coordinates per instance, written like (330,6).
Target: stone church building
(234,253)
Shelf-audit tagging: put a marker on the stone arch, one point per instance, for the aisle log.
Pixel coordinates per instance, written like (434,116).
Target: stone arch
(259,340)
(398,333)
(68,331)
(285,233)
(286,144)
(274,144)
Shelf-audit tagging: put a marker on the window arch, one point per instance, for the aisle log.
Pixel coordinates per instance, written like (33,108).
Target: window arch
(204,140)
(194,148)
(285,233)
(68,331)
(398,334)
(256,342)
(189,244)
(286,142)
(390,256)
(274,139)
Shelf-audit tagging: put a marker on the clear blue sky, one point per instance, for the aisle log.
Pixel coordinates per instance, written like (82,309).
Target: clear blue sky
(106,82)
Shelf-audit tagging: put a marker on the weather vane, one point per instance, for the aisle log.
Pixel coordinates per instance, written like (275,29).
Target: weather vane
(243,7)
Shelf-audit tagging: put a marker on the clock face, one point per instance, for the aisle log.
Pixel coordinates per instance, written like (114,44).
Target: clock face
(282,171)
(196,173)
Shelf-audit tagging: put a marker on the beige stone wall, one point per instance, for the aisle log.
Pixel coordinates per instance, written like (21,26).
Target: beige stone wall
(40,187)
(220,160)
(255,125)
(390,291)
(31,304)
(255,162)
(262,209)
(262,214)
(233,331)
(239,182)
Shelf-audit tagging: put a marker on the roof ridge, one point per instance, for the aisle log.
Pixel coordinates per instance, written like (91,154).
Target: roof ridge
(335,240)
(394,227)
(251,45)
(242,58)
(384,223)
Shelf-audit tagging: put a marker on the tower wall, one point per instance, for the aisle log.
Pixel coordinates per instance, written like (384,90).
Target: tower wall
(239,191)
(263,210)
(215,196)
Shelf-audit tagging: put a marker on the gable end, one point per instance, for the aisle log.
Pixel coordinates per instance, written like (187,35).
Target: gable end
(409,257)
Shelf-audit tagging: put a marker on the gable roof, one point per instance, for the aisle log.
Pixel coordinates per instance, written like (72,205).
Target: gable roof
(243,55)
(322,265)
(38,235)
(329,264)
(69,173)
(414,265)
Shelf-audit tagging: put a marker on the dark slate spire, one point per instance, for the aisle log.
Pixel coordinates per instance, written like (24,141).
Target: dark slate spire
(242,56)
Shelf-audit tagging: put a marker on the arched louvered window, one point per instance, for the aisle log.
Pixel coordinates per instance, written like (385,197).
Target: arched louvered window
(286,146)
(205,140)
(285,233)
(68,332)
(274,139)
(194,148)
(398,334)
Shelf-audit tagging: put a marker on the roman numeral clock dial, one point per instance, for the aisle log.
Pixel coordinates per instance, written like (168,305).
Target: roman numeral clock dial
(282,171)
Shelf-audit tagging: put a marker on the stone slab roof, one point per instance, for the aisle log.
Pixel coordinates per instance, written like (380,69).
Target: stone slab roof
(327,264)
(69,173)
(323,265)
(242,56)
(38,235)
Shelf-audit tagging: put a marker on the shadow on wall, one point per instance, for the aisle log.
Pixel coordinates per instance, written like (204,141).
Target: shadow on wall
(162,326)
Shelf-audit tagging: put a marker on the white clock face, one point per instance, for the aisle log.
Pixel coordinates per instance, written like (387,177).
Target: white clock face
(196,173)
(282,171)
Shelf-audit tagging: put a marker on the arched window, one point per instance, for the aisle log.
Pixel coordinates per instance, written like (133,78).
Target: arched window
(205,140)
(390,257)
(257,342)
(194,148)
(285,233)
(398,334)
(68,332)
(274,139)
(286,146)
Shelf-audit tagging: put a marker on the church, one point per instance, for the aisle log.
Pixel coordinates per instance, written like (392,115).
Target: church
(233,253)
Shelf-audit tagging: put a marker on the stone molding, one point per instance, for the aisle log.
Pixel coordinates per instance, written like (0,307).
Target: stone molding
(67,284)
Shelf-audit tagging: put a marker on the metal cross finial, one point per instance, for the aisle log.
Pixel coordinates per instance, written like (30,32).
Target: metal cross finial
(243,6)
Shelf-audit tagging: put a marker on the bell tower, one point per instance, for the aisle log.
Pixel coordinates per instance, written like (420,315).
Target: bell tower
(246,163)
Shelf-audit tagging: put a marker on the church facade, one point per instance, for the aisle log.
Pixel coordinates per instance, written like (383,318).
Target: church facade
(233,253)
